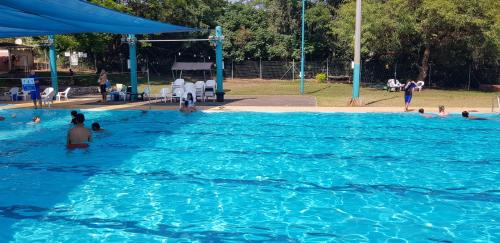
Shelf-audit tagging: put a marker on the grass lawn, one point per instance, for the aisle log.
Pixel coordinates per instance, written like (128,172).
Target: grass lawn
(327,94)
(333,94)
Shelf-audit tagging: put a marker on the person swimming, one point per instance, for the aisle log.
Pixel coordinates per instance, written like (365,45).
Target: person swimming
(36,119)
(465,114)
(442,112)
(2,118)
(78,136)
(188,104)
(96,127)
(421,112)
(73,116)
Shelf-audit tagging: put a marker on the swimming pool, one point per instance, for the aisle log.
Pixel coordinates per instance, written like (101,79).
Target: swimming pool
(163,175)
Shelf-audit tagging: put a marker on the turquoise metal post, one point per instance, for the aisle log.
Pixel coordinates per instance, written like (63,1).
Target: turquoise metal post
(302,74)
(219,63)
(53,62)
(357,56)
(133,64)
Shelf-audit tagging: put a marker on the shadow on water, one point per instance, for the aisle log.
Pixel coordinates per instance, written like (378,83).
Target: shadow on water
(41,173)
(28,212)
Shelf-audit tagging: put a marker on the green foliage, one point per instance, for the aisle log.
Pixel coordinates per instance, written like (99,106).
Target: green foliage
(321,77)
(457,33)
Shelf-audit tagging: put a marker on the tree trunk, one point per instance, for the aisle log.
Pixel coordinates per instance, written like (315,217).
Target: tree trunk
(424,68)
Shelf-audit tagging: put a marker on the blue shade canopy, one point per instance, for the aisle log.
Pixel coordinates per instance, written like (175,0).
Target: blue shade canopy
(44,17)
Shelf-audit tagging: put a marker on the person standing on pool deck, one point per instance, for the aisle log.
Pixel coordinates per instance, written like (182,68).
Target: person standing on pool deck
(409,93)
(78,136)
(35,94)
(103,78)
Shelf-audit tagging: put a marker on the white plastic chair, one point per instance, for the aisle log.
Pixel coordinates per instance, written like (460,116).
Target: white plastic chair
(200,90)
(178,83)
(14,91)
(146,93)
(63,94)
(394,85)
(420,85)
(164,94)
(122,91)
(189,87)
(48,96)
(210,87)
(177,94)
(47,91)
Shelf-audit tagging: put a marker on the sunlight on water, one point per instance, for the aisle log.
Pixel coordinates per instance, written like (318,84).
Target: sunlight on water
(161,175)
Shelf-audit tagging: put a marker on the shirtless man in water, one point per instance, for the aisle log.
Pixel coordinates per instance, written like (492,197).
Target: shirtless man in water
(79,136)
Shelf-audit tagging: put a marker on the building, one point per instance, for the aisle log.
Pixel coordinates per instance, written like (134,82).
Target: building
(15,58)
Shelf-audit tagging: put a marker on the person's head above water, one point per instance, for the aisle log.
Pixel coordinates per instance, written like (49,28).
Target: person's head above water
(37,119)
(441,108)
(2,118)
(96,126)
(465,114)
(79,119)
(74,113)
(421,110)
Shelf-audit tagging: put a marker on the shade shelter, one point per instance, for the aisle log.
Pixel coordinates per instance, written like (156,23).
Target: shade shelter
(51,17)
(192,66)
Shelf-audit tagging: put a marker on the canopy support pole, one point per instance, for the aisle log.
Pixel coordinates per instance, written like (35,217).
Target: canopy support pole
(133,64)
(302,56)
(218,61)
(53,63)
(355,100)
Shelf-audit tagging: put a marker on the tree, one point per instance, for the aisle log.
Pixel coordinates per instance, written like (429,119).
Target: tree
(451,32)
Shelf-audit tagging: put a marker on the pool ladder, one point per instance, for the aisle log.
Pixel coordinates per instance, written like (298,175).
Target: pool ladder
(497,99)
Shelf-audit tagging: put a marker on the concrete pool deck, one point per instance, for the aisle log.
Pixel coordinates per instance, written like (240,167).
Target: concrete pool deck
(283,103)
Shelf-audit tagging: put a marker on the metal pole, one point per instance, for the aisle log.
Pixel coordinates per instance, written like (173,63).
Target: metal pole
(260,67)
(53,63)
(232,69)
(133,64)
(430,72)
(396,71)
(327,71)
(293,69)
(149,86)
(302,74)
(218,61)
(357,53)
(468,85)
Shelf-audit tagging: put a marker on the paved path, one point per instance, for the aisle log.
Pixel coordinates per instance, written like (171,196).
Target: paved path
(232,103)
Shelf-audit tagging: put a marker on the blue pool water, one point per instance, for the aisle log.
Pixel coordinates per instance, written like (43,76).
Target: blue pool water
(166,176)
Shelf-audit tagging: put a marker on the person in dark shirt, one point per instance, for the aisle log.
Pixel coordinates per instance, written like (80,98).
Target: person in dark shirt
(35,94)
(409,87)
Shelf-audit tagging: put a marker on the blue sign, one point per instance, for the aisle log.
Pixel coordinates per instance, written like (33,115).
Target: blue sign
(28,84)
